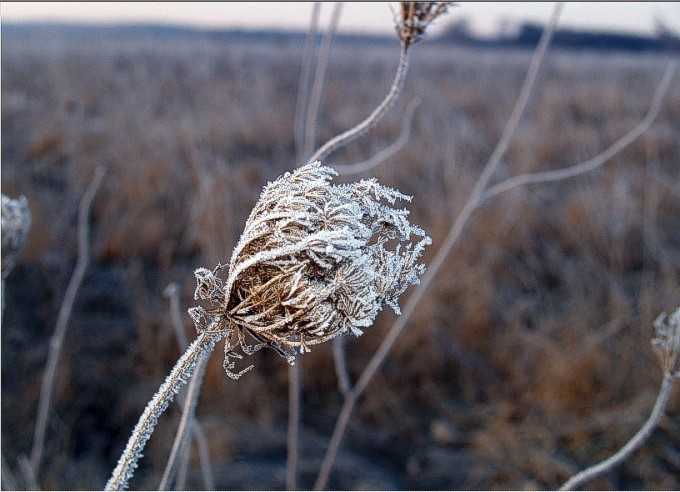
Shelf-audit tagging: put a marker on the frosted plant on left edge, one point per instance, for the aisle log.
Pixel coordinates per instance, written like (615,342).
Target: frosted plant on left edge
(16,221)
(315,261)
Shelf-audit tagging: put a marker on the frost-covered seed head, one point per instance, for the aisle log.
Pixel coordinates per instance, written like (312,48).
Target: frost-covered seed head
(415,17)
(315,261)
(16,221)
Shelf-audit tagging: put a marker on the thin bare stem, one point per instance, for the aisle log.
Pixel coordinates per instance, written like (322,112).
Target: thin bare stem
(388,152)
(305,76)
(434,266)
(172,293)
(319,79)
(7,477)
(346,137)
(634,443)
(199,349)
(183,470)
(344,384)
(57,340)
(294,417)
(196,430)
(185,424)
(599,160)
(27,471)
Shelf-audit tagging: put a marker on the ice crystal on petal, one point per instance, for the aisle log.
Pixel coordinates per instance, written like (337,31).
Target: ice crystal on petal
(315,261)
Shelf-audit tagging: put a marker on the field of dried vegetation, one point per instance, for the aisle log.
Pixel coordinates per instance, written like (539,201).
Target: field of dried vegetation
(528,359)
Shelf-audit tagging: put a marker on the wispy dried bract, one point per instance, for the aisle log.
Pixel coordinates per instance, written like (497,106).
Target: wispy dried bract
(667,342)
(16,221)
(315,261)
(415,17)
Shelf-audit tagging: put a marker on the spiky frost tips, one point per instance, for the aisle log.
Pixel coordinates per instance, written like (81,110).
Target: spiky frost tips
(315,261)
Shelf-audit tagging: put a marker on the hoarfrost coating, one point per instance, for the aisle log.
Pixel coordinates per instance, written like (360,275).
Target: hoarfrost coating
(315,261)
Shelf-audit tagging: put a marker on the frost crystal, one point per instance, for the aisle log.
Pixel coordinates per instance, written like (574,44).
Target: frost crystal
(315,261)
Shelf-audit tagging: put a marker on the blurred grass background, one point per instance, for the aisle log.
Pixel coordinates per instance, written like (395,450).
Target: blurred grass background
(530,357)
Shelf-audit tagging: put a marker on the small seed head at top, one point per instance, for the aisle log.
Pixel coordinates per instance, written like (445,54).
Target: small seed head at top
(315,261)
(16,221)
(414,19)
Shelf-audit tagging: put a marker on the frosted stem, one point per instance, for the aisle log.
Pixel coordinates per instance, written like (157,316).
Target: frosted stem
(372,119)
(635,442)
(180,374)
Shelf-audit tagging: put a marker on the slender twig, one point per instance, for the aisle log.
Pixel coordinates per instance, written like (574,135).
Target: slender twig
(172,293)
(434,266)
(185,424)
(57,340)
(294,417)
(346,137)
(305,76)
(319,80)
(27,471)
(183,469)
(200,348)
(188,406)
(7,477)
(341,373)
(386,153)
(599,160)
(634,443)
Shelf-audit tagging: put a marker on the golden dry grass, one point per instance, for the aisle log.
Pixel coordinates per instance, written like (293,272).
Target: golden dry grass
(528,359)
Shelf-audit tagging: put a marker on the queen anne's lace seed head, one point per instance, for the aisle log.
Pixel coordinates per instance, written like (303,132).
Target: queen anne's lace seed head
(414,19)
(315,261)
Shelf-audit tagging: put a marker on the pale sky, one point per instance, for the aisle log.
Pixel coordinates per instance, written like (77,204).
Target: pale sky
(637,17)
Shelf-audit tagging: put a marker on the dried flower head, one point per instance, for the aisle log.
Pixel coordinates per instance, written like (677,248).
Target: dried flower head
(667,342)
(415,17)
(315,261)
(16,220)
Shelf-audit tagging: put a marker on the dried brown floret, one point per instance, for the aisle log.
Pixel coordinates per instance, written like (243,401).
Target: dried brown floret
(415,17)
(315,261)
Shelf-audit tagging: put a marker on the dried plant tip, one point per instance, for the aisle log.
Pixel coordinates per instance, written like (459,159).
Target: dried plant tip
(414,19)
(667,342)
(16,221)
(315,261)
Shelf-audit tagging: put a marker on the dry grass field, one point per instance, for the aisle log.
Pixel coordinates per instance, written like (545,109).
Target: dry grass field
(529,357)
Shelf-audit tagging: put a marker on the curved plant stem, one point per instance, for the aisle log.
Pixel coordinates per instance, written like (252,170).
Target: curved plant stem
(200,348)
(319,79)
(341,373)
(57,340)
(196,431)
(186,424)
(294,418)
(434,266)
(383,155)
(634,443)
(597,161)
(303,90)
(346,137)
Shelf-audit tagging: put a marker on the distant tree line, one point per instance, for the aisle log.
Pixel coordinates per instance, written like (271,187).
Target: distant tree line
(459,33)
(528,34)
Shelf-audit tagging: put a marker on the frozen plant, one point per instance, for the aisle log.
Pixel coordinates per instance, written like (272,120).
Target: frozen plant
(315,261)
(16,220)
(667,345)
